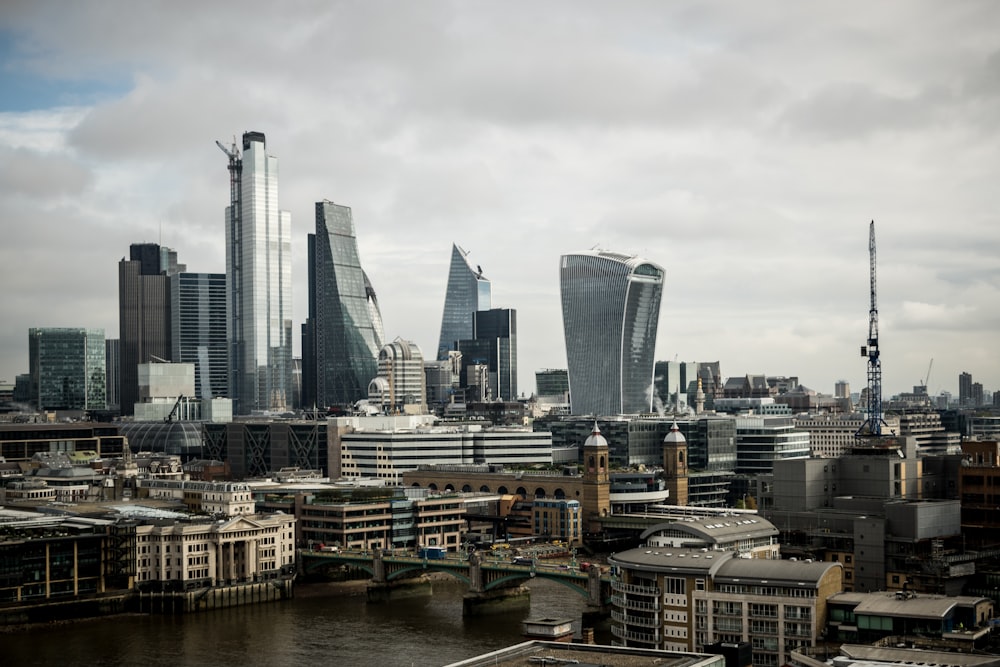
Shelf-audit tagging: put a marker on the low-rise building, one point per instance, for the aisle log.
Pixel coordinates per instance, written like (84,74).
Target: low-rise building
(221,498)
(177,555)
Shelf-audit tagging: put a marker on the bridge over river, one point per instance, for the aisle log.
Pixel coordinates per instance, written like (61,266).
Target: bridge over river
(490,580)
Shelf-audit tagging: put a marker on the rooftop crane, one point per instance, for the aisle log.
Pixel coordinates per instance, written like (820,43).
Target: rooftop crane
(872,427)
(235,234)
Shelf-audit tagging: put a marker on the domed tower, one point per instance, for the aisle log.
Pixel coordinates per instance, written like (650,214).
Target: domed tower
(596,479)
(675,468)
(699,400)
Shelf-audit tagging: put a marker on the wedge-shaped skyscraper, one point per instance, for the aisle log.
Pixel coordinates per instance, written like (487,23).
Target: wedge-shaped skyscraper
(468,291)
(611,308)
(343,335)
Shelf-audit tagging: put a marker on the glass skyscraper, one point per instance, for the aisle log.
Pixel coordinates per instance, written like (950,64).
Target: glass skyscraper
(494,344)
(611,308)
(467,292)
(66,367)
(198,330)
(259,294)
(343,335)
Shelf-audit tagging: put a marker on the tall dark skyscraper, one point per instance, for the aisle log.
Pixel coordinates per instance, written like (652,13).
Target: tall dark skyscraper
(143,314)
(494,344)
(611,309)
(198,330)
(343,335)
(965,389)
(468,291)
(259,269)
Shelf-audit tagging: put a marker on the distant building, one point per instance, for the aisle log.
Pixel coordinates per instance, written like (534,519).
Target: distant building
(67,368)
(611,309)
(344,333)
(552,384)
(965,390)
(400,384)
(831,436)
(761,440)
(468,291)
(198,330)
(494,345)
(256,448)
(842,389)
(112,372)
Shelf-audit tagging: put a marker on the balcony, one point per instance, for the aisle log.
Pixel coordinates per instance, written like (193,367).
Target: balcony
(628,603)
(649,591)
(631,621)
(639,637)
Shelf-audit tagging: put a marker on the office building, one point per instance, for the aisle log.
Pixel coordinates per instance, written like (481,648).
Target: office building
(552,384)
(257,448)
(468,291)
(143,314)
(343,334)
(494,345)
(611,308)
(965,389)
(259,295)
(762,440)
(198,330)
(67,370)
(400,385)
(112,372)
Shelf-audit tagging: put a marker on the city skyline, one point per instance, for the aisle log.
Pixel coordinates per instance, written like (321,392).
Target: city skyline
(744,149)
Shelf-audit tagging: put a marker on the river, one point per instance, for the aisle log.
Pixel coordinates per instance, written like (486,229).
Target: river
(317,627)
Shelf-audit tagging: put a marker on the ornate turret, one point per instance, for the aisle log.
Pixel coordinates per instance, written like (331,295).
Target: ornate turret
(699,399)
(596,479)
(675,467)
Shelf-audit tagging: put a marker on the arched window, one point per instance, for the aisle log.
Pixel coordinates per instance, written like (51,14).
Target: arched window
(559,493)
(484,489)
(466,489)
(539,492)
(502,490)
(432,486)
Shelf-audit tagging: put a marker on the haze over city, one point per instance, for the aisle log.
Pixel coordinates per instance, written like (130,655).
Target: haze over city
(743,147)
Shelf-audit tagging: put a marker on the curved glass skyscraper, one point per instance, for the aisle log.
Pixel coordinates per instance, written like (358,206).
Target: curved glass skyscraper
(467,292)
(343,334)
(611,308)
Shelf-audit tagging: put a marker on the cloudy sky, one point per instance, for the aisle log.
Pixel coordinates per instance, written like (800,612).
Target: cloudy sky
(744,146)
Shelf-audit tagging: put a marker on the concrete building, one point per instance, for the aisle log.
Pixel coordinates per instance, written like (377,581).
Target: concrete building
(611,310)
(400,385)
(833,435)
(178,555)
(387,447)
(380,519)
(225,499)
(684,599)
(259,268)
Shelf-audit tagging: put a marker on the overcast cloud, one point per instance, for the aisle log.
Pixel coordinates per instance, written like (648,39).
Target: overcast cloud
(743,146)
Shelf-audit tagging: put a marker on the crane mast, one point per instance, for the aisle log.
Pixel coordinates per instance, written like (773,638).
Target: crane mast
(872,427)
(235,275)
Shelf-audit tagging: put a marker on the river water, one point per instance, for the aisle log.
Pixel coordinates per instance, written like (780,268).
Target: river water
(317,627)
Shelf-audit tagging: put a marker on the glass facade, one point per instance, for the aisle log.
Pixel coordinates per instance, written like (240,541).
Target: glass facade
(67,368)
(259,298)
(198,330)
(344,330)
(611,308)
(468,291)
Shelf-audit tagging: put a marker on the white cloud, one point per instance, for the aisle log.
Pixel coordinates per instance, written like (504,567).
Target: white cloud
(743,148)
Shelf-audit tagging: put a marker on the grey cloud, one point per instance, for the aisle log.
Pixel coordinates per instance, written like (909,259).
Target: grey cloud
(29,173)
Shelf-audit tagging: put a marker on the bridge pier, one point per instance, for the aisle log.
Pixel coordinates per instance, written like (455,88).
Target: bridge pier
(496,601)
(398,590)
